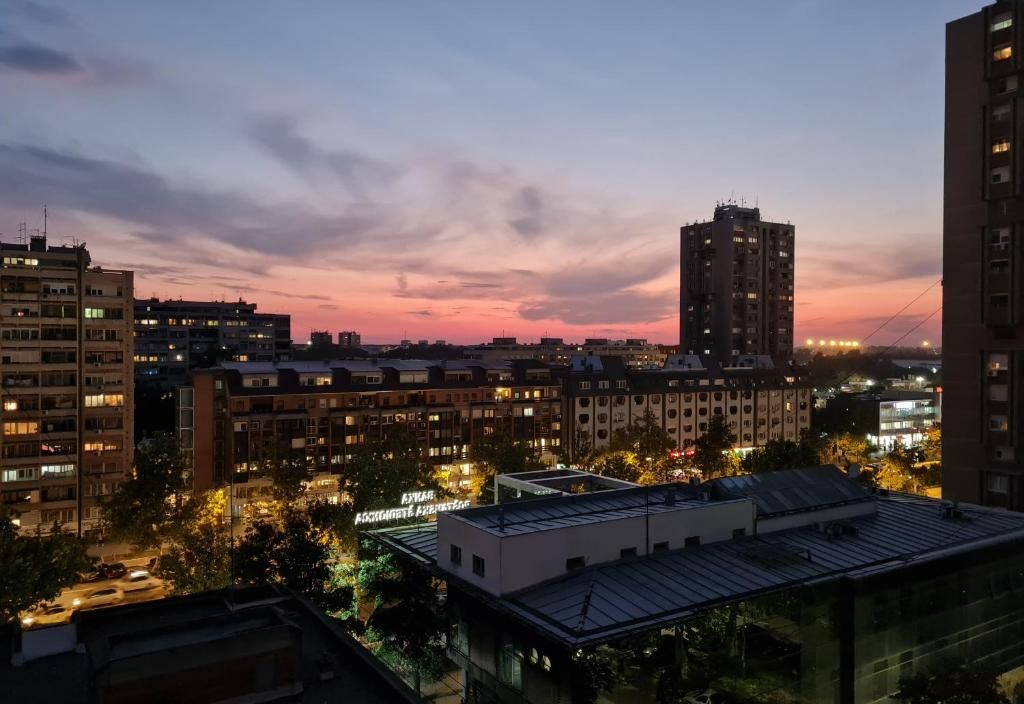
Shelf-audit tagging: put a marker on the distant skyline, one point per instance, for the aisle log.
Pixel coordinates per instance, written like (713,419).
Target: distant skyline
(459,171)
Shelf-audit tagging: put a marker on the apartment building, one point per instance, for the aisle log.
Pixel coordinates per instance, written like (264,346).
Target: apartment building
(637,353)
(736,286)
(350,339)
(172,337)
(983,251)
(236,413)
(760,404)
(890,418)
(66,347)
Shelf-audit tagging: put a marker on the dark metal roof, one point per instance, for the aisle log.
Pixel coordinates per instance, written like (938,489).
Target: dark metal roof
(560,512)
(624,597)
(791,490)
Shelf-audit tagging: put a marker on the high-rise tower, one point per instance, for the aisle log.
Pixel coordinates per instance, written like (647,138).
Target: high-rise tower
(736,286)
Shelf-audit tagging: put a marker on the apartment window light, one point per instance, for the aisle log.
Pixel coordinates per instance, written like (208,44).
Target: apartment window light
(1000,146)
(1003,20)
(1002,53)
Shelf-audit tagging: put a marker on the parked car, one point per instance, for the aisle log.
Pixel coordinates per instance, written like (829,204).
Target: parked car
(137,580)
(108,596)
(46,615)
(89,576)
(708,696)
(115,570)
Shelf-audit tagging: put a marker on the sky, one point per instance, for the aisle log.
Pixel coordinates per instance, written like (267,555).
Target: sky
(463,170)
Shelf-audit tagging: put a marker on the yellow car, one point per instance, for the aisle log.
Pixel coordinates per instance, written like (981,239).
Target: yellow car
(47,615)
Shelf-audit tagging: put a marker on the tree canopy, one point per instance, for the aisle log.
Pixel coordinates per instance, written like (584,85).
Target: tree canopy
(712,451)
(143,508)
(783,454)
(498,453)
(962,683)
(295,553)
(197,553)
(407,622)
(35,568)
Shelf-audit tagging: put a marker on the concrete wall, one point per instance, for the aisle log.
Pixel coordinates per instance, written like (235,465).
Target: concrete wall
(42,642)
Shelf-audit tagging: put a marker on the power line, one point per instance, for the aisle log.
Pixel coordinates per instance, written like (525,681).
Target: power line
(897,313)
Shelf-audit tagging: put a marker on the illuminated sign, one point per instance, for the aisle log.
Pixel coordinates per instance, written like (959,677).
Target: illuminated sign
(415,504)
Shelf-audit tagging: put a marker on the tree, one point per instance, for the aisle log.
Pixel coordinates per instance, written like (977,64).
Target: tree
(498,453)
(197,556)
(782,454)
(35,568)
(376,475)
(407,624)
(296,554)
(961,683)
(618,465)
(712,451)
(144,506)
(931,446)
(896,471)
(289,473)
(845,448)
(593,672)
(644,437)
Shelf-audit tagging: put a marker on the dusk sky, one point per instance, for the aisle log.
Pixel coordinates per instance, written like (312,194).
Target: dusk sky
(463,170)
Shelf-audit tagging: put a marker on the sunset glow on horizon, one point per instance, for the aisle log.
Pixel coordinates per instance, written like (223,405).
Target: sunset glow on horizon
(458,172)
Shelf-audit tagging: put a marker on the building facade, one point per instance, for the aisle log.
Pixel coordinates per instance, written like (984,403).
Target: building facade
(636,353)
(233,414)
(172,337)
(983,251)
(351,338)
(602,396)
(796,585)
(889,419)
(66,346)
(736,286)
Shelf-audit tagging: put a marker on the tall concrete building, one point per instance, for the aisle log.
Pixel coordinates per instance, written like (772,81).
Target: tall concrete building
(736,286)
(983,251)
(66,369)
(172,337)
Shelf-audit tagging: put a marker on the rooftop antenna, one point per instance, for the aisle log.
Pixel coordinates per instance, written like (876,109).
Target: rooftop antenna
(44,219)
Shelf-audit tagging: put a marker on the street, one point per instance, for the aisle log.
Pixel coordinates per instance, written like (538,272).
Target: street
(67,597)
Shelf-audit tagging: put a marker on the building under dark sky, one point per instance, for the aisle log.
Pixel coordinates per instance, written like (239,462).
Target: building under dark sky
(736,286)
(983,298)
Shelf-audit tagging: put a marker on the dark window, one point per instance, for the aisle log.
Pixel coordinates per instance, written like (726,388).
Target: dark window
(692,542)
(575,563)
(736,533)
(478,565)
(658,547)
(627,552)
(456,554)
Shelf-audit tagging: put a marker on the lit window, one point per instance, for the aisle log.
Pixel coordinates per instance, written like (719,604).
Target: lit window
(1003,20)
(10,405)
(21,428)
(1000,145)
(1002,53)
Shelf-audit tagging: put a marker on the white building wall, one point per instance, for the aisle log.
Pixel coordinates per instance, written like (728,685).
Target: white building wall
(517,561)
